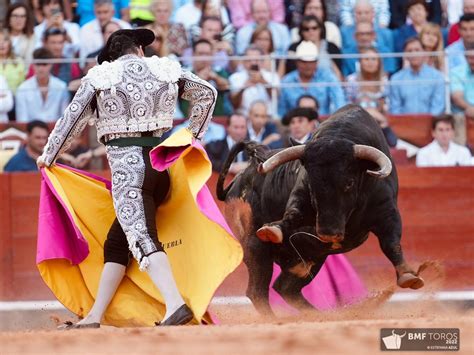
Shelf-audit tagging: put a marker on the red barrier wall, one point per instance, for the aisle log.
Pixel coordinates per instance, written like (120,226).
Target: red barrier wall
(437,207)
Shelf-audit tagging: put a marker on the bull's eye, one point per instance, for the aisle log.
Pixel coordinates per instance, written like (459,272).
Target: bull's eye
(349,185)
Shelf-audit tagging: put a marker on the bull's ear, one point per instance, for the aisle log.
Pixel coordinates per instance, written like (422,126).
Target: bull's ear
(294,142)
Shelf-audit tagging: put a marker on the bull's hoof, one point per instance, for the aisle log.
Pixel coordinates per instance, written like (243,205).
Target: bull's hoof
(270,234)
(408,280)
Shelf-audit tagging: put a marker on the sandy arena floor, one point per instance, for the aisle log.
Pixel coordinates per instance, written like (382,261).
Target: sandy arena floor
(351,330)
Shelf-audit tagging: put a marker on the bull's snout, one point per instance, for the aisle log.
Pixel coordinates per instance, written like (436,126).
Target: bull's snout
(330,236)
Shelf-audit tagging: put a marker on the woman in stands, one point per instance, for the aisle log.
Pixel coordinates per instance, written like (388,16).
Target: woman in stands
(262,37)
(312,29)
(173,35)
(19,22)
(432,41)
(11,67)
(369,88)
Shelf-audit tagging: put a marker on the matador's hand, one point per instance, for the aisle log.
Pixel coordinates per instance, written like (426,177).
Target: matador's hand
(40,163)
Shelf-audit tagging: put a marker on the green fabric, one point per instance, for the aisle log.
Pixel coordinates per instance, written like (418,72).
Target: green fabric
(136,141)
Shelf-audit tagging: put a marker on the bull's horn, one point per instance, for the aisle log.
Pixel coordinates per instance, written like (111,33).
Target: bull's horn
(280,158)
(373,154)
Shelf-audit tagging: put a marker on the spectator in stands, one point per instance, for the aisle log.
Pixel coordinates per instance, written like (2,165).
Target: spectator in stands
(212,31)
(301,123)
(217,78)
(211,9)
(6,100)
(43,96)
(190,14)
(443,151)
(365,38)
(11,67)
(241,11)
(173,35)
(381,9)
(418,15)
(85,10)
(252,82)
(107,30)
(369,86)
(312,29)
(25,159)
(91,33)
(262,38)
(19,22)
(219,150)
(454,35)
(432,41)
(140,13)
(418,88)
(261,16)
(364,12)
(456,50)
(398,10)
(317,8)
(260,128)
(54,18)
(462,94)
(54,40)
(308,101)
(330,96)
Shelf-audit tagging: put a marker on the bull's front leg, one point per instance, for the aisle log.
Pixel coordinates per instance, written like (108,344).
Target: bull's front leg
(298,213)
(292,280)
(259,261)
(389,233)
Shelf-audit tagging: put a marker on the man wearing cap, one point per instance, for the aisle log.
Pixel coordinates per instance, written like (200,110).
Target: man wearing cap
(306,79)
(301,122)
(132,101)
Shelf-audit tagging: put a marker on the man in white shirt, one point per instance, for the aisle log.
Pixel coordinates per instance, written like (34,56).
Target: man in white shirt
(443,151)
(252,83)
(91,33)
(43,96)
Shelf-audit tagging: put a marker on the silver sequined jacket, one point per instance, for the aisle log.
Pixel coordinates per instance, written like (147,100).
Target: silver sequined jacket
(132,95)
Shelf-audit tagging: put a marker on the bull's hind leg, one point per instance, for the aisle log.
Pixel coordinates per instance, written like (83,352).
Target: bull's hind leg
(259,263)
(389,234)
(290,283)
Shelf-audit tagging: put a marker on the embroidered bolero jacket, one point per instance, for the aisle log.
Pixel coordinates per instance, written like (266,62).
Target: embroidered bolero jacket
(132,95)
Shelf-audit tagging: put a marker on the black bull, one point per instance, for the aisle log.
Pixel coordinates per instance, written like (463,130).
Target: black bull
(337,186)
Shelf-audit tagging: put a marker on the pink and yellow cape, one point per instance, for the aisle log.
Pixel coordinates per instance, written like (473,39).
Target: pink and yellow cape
(76,213)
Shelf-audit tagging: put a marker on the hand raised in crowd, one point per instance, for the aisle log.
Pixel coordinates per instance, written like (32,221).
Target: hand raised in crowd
(83,159)
(223,46)
(255,77)
(271,138)
(40,163)
(206,73)
(469,112)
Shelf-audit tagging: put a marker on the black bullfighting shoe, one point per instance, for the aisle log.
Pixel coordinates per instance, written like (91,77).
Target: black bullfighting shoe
(183,315)
(270,233)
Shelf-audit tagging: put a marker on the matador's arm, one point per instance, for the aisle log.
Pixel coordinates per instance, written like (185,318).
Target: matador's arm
(71,124)
(202,97)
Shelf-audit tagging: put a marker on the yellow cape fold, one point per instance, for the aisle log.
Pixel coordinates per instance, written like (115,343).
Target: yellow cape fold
(201,251)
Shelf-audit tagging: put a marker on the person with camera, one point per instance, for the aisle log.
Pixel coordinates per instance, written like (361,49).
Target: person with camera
(54,18)
(252,83)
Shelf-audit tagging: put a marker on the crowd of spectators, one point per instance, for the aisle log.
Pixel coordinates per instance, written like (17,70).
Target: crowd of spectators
(305,58)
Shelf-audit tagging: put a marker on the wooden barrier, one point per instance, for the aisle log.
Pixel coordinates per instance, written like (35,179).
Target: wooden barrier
(437,207)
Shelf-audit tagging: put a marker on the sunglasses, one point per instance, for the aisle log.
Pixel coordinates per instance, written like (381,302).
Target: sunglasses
(42,64)
(312,28)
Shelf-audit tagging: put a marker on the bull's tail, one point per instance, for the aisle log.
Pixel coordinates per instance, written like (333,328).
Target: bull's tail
(220,191)
(256,153)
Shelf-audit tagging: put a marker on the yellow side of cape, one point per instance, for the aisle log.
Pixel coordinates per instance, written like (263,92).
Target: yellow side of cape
(201,252)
